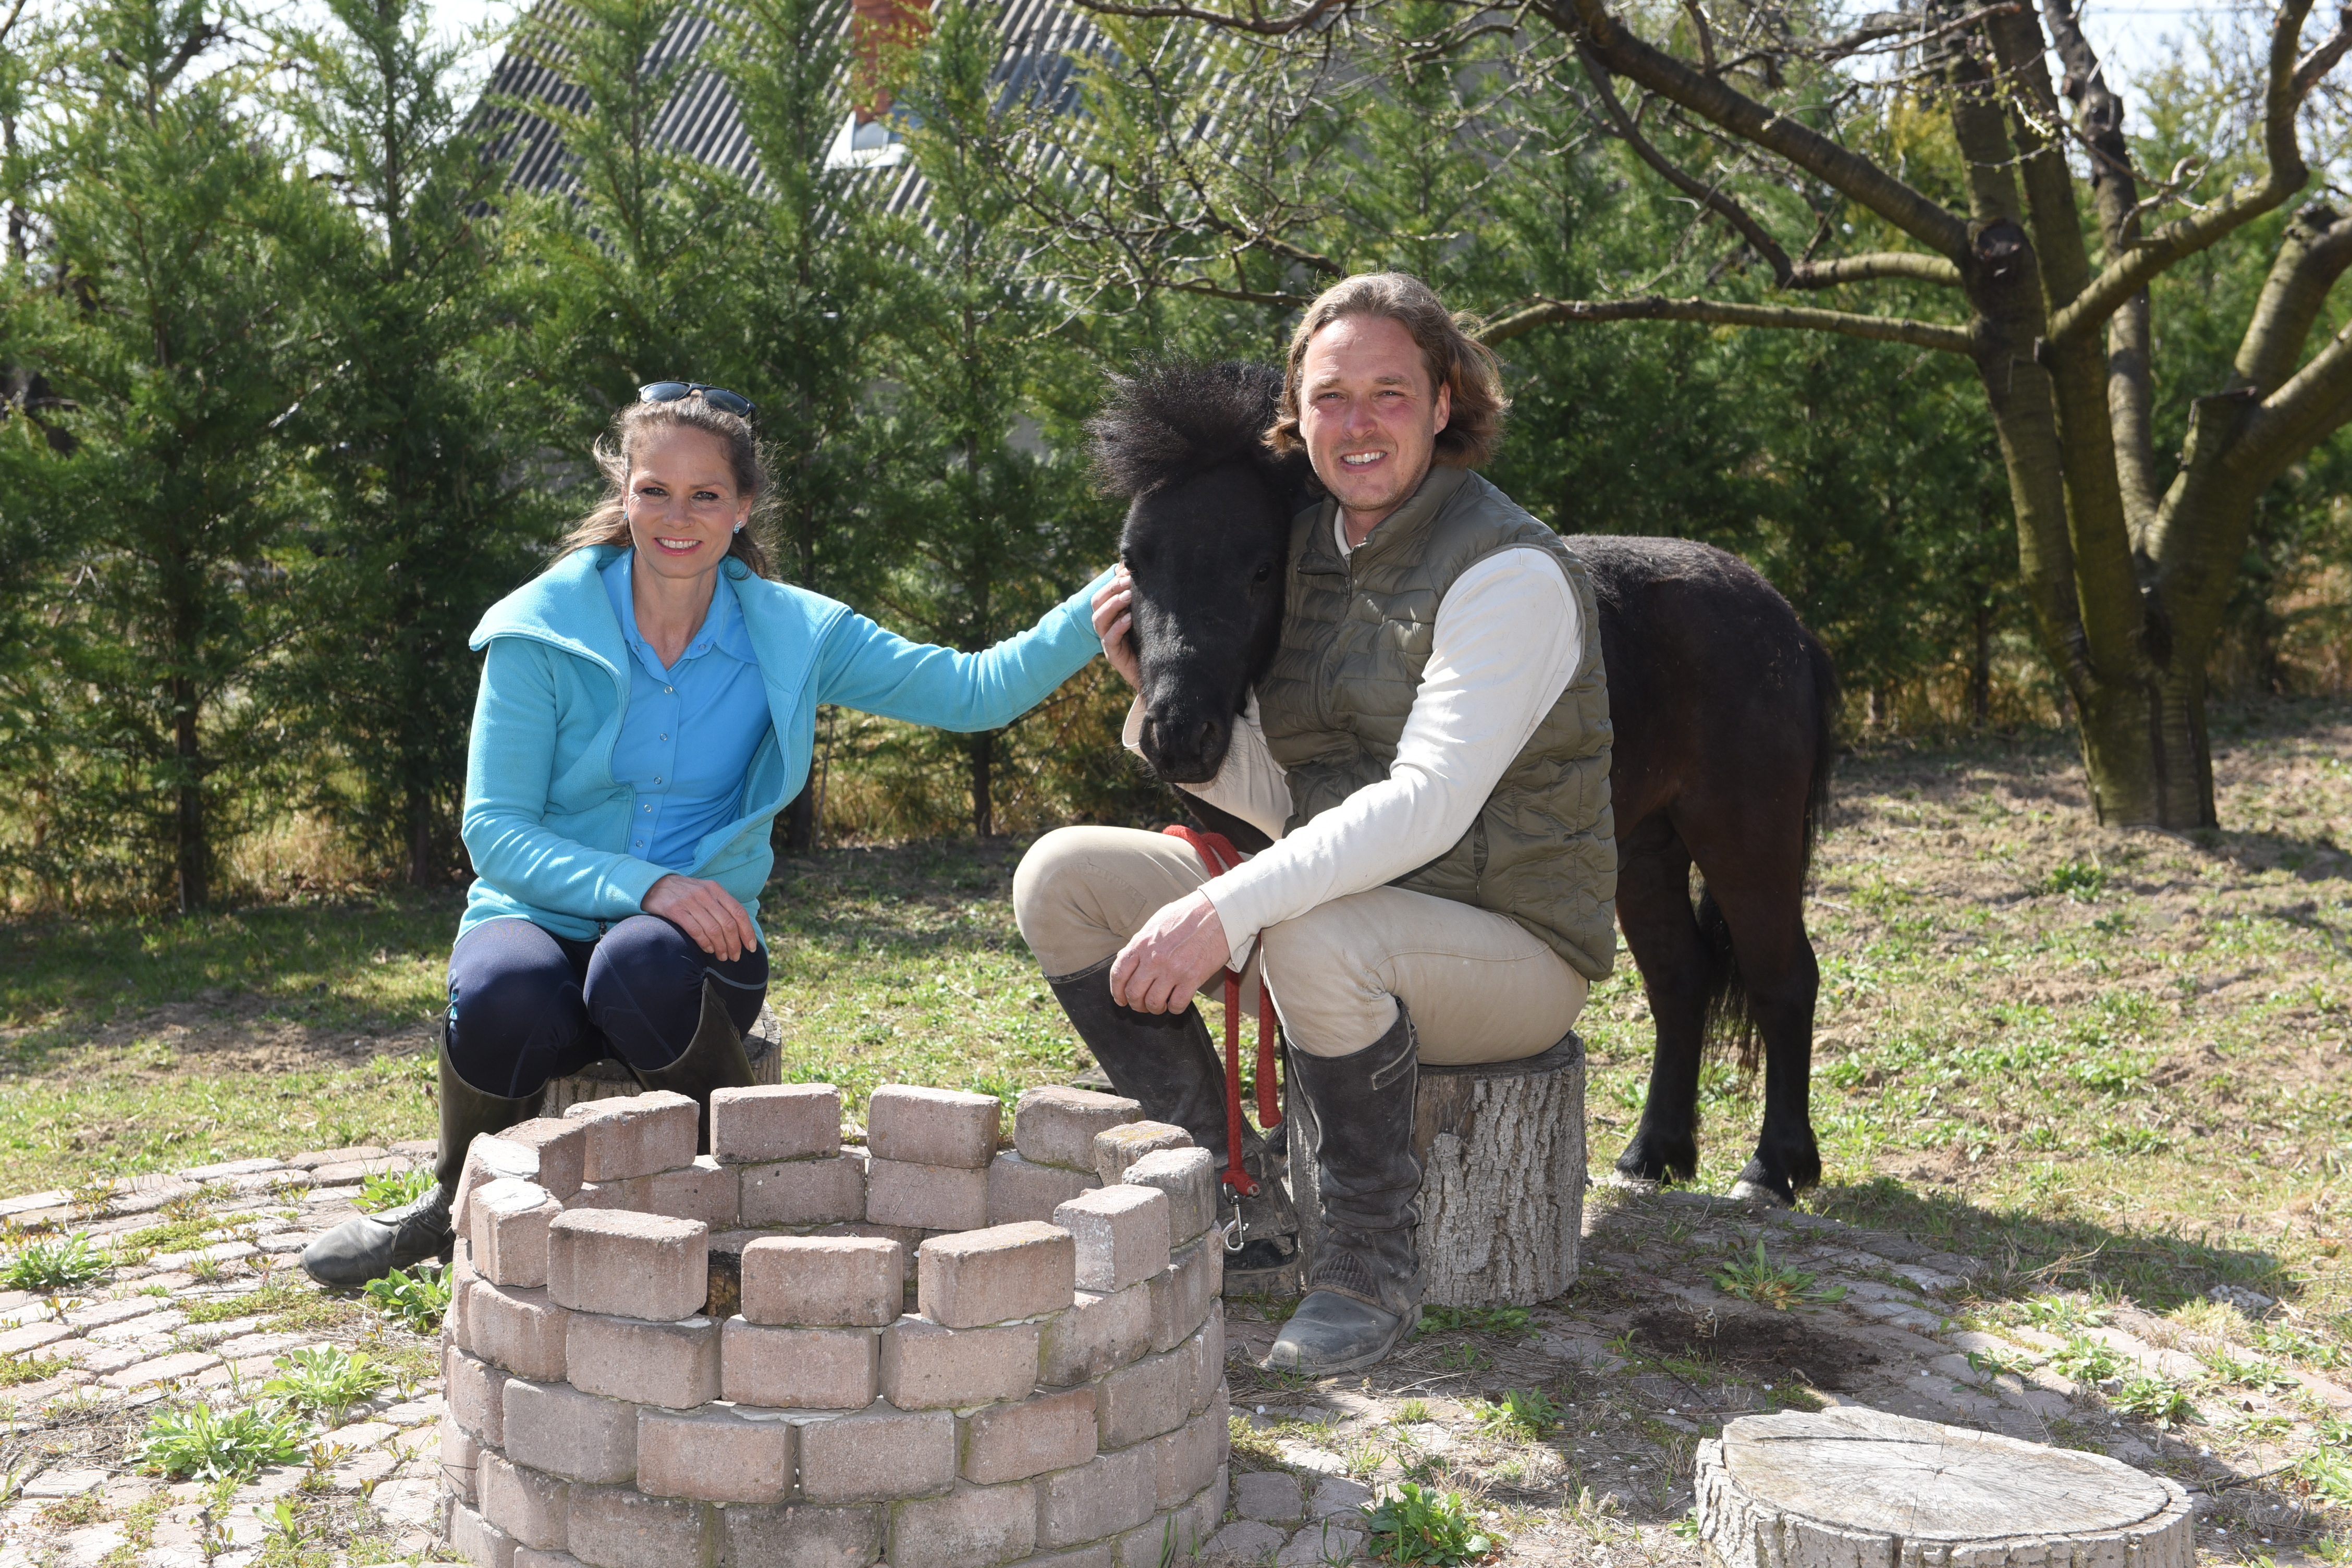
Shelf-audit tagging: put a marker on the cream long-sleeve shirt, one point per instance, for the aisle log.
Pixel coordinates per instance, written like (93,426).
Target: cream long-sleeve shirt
(1507,642)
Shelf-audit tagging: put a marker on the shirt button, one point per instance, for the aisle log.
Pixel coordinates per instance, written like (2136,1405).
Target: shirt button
(657,781)
(670,691)
(661,737)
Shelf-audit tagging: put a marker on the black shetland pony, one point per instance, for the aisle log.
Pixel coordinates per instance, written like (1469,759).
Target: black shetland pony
(1721,703)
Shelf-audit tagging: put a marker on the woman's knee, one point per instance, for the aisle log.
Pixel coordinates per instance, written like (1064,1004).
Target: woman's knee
(510,983)
(645,988)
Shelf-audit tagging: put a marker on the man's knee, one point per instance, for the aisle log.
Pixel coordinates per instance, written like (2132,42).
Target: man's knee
(1323,971)
(1042,882)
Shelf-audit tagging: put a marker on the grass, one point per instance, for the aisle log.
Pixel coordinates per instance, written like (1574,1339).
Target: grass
(53,1264)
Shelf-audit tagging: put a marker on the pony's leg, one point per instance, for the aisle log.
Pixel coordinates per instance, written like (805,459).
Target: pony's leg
(1655,907)
(1762,898)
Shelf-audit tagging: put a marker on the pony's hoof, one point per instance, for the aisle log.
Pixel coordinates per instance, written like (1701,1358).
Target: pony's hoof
(1746,1192)
(1640,1186)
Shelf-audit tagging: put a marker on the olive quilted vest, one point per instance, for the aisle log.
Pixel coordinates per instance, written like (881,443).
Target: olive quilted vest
(1356,633)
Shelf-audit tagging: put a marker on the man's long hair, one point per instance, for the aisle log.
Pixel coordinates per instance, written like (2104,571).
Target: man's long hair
(1457,361)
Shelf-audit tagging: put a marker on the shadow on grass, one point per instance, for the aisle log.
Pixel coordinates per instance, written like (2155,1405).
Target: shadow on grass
(2158,1270)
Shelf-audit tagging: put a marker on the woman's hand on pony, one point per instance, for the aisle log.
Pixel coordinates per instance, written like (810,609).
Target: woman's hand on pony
(705,911)
(1114,624)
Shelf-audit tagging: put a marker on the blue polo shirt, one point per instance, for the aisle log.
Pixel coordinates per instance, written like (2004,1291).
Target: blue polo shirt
(690,728)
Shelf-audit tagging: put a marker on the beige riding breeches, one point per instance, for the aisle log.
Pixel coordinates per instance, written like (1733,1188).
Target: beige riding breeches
(1479,986)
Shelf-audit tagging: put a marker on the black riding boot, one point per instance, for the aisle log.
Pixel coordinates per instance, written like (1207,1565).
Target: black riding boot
(1165,1062)
(1363,1289)
(713,1059)
(373,1244)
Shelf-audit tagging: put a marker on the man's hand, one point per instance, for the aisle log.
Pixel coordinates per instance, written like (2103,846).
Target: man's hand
(1170,958)
(1114,624)
(705,911)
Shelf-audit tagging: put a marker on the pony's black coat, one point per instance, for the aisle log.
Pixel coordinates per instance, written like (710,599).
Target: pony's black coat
(1720,698)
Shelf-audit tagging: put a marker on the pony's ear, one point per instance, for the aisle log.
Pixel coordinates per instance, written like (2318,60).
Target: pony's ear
(1294,475)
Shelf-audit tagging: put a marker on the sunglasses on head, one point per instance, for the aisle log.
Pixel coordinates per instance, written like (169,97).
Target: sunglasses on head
(719,397)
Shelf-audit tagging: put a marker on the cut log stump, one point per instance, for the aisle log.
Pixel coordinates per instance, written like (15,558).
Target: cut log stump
(1857,1487)
(606,1079)
(1501,1146)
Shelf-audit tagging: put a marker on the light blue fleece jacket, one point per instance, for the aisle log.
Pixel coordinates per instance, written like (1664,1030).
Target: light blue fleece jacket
(547,824)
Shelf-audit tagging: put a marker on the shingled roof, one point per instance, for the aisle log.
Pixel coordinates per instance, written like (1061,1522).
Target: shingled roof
(1042,40)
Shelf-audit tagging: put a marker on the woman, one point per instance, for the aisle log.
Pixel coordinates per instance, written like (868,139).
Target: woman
(647,705)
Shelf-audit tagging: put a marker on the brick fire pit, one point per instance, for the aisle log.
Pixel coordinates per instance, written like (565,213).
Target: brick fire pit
(793,1354)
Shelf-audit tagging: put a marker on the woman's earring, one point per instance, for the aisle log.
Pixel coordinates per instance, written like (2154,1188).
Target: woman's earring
(739,527)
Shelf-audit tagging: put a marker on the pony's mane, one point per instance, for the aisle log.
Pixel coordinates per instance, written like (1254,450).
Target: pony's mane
(1180,417)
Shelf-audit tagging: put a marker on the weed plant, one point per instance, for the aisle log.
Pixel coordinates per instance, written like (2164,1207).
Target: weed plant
(199,1443)
(391,1189)
(1768,1284)
(2152,1398)
(2087,1360)
(1522,1412)
(1511,1322)
(415,1301)
(55,1264)
(1421,1526)
(18,1370)
(327,1381)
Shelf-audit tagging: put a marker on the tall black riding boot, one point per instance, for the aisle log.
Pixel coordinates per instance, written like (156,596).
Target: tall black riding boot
(713,1059)
(1165,1062)
(373,1244)
(1363,1289)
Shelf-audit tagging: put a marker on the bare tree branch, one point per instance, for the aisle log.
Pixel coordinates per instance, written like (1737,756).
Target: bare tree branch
(1257,21)
(2312,254)
(1710,98)
(1728,313)
(2285,174)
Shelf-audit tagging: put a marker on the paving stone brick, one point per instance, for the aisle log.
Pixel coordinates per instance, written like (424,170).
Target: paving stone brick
(1121,1234)
(1189,1177)
(705,1190)
(716,1456)
(547,1149)
(997,1274)
(812,1282)
(1096,1555)
(912,1126)
(527,1505)
(877,1455)
(620,1527)
(971,1527)
(528,1557)
(520,1329)
(1122,1146)
(637,1135)
(460,1458)
(927,1366)
(476,1394)
(929,1197)
(1205,1351)
(1185,1460)
(509,1231)
(161,1369)
(799,1369)
(825,1190)
(1097,1334)
(802,1535)
(674,1366)
(1044,1432)
(1273,1496)
(1182,1292)
(554,1427)
(1151,1396)
(1057,1125)
(32,1336)
(774,1122)
(1019,1190)
(478,1542)
(1114,1492)
(628,1265)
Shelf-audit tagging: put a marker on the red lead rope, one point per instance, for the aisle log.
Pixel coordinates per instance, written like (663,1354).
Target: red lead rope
(1218,856)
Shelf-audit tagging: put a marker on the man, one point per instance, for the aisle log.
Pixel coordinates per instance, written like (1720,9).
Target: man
(1429,751)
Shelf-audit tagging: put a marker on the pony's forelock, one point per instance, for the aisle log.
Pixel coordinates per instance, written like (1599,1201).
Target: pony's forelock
(1178,418)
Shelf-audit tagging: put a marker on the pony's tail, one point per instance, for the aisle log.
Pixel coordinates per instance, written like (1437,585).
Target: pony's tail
(1727,1018)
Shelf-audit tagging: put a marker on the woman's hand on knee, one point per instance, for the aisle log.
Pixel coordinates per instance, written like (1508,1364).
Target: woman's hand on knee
(1171,957)
(705,911)
(1114,623)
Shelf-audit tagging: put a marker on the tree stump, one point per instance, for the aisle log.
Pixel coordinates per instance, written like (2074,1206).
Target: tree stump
(607,1079)
(1857,1487)
(1501,1146)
